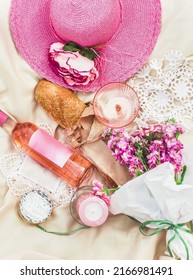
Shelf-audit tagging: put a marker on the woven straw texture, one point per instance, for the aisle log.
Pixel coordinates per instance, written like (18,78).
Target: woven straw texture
(136,26)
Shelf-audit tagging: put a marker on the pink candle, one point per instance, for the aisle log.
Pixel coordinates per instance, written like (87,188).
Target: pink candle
(116,105)
(92,210)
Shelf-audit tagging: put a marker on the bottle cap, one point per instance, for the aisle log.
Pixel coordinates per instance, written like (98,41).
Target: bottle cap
(3,117)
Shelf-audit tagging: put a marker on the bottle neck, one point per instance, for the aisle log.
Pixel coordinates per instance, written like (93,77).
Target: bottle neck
(9,125)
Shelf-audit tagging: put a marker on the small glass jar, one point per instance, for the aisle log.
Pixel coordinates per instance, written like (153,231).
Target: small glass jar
(35,207)
(88,209)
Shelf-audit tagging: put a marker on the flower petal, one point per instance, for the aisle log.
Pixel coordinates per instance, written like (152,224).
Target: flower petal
(74,68)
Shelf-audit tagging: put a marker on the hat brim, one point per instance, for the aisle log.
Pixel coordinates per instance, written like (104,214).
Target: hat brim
(122,56)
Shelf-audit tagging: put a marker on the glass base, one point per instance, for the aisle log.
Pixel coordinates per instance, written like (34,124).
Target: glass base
(74,199)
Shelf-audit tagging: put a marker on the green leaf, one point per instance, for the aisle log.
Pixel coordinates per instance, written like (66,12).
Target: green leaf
(137,145)
(177,134)
(145,151)
(158,135)
(171,120)
(149,137)
(89,53)
(108,133)
(183,174)
(139,154)
(72,47)
(176,177)
(178,180)
(86,52)
(138,173)
(105,190)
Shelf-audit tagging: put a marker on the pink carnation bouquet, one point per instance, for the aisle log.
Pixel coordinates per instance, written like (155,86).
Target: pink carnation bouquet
(147,147)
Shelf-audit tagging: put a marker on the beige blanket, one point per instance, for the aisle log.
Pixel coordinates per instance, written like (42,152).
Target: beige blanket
(119,237)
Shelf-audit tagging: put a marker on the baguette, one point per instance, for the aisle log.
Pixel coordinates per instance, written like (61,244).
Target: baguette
(60,103)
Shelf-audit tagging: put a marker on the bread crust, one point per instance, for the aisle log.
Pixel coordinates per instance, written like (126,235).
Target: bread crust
(60,103)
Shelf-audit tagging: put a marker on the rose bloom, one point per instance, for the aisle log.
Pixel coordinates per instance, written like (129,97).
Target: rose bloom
(74,68)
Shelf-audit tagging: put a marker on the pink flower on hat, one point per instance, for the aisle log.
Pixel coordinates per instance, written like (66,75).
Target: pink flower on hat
(73,67)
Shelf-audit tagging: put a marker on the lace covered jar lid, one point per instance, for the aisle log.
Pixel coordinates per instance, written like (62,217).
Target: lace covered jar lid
(35,207)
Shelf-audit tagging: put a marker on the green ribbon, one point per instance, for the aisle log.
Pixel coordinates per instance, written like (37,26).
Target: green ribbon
(166,224)
(62,233)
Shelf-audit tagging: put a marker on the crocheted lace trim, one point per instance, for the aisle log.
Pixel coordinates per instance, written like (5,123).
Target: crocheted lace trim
(165,89)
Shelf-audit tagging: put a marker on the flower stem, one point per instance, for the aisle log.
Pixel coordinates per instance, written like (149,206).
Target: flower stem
(180,181)
(183,173)
(144,164)
(114,189)
(106,190)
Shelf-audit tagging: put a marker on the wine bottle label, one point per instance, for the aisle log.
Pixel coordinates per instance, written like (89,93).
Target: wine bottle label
(49,147)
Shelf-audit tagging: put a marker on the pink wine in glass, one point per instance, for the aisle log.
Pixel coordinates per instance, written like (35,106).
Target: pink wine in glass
(47,151)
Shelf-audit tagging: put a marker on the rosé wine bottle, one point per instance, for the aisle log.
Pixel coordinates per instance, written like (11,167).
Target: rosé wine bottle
(47,151)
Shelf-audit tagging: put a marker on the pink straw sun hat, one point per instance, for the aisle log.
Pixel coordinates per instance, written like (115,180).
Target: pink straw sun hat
(110,40)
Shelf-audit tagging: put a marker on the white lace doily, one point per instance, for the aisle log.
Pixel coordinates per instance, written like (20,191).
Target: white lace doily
(165,89)
(23,174)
